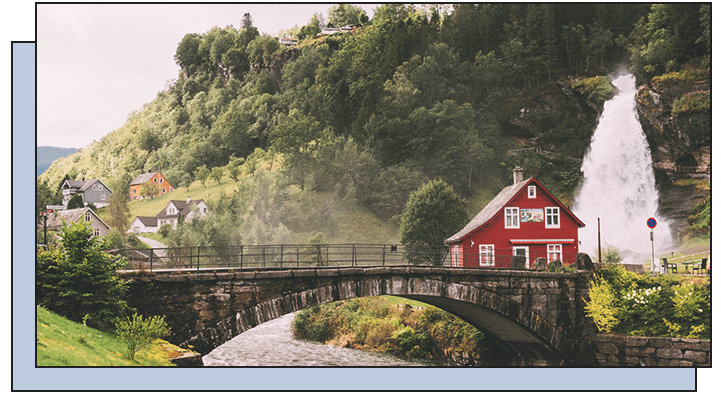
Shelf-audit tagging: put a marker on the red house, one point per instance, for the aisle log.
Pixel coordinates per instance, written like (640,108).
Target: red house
(524,219)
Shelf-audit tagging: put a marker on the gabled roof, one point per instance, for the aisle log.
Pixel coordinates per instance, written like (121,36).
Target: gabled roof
(55,220)
(142,178)
(183,208)
(82,186)
(148,221)
(497,204)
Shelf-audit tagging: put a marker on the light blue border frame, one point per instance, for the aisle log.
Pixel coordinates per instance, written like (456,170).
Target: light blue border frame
(25,377)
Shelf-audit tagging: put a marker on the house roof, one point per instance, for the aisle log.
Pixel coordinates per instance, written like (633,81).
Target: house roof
(142,178)
(497,204)
(82,186)
(183,208)
(55,220)
(148,221)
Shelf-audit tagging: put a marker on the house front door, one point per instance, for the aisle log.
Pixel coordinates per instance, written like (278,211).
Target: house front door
(522,251)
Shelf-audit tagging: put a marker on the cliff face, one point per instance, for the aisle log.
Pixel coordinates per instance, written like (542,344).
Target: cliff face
(682,141)
(680,147)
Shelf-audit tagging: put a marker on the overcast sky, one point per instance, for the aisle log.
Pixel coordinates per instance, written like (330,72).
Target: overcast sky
(96,63)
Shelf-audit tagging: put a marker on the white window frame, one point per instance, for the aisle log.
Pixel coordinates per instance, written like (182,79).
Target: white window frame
(172,211)
(96,232)
(552,212)
(527,255)
(95,187)
(102,196)
(88,218)
(161,180)
(512,218)
(552,250)
(487,252)
(100,187)
(531,191)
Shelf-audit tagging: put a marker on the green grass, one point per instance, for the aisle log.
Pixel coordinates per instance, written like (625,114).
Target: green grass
(59,344)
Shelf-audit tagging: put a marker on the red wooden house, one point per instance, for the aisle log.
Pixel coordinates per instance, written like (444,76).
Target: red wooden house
(524,219)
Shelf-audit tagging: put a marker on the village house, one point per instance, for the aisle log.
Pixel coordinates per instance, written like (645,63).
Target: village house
(155,179)
(55,220)
(524,219)
(93,192)
(171,214)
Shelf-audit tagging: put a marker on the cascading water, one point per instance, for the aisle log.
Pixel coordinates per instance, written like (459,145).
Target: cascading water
(619,185)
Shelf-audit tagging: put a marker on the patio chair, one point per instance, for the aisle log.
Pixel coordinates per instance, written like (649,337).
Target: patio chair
(669,266)
(701,267)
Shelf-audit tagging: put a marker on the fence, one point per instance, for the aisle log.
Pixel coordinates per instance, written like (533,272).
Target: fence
(521,258)
(280,256)
(681,168)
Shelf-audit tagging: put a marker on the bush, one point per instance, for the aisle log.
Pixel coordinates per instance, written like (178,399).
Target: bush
(624,303)
(139,333)
(692,103)
(165,230)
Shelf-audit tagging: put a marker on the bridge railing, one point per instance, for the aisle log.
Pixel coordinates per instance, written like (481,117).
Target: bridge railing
(336,255)
(280,256)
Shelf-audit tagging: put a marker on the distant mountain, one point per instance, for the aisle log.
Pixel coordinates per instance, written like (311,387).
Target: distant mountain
(46,156)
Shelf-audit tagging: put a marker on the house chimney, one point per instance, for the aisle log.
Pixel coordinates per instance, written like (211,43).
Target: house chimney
(517,175)
(187,200)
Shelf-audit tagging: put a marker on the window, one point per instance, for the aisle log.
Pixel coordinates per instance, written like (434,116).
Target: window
(155,180)
(87,217)
(552,217)
(102,196)
(163,190)
(485,252)
(531,192)
(100,187)
(96,232)
(455,256)
(171,210)
(512,217)
(161,180)
(554,252)
(132,191)
(95,187)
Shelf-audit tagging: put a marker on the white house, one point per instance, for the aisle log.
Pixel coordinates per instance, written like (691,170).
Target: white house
(55,220)
(172,212)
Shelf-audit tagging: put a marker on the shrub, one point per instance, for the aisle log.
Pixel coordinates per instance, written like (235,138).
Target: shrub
(165,230)
(691,103)
(139,333)
(599,87)
(625,303)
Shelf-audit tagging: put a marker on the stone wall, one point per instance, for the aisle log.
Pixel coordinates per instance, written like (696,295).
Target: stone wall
(628,351)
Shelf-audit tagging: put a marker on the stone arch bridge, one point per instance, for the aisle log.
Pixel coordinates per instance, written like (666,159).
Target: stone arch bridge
(537,318)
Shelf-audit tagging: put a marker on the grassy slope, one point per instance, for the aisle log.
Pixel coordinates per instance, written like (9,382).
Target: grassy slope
(357,224)
(58,345)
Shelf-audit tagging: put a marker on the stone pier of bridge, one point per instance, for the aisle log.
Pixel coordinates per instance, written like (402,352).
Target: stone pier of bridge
(536,317)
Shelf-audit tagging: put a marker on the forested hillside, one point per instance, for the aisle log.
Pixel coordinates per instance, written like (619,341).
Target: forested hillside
(415,93)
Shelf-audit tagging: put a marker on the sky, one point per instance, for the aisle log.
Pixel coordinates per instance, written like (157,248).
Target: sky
(96,63)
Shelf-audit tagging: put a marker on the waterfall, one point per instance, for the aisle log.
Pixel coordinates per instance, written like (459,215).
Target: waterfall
(619,185)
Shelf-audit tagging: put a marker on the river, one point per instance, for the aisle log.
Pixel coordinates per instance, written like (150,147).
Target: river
(272,344)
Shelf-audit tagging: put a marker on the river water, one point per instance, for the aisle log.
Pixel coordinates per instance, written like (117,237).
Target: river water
(272,344)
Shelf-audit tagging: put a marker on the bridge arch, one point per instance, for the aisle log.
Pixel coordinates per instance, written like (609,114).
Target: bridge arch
(523,310)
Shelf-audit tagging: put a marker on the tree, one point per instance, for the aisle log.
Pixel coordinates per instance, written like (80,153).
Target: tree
(202,174)
(76,202)
(78,278)
(433,213)
(217,174)
(149,189)
(119,211)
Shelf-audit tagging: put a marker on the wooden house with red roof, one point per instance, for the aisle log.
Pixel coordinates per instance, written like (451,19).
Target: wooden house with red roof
(524,219)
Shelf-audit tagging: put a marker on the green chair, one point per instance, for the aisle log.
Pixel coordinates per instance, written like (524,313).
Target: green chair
(669,266)
(701,267)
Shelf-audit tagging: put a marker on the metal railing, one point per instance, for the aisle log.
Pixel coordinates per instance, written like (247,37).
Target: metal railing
(279,256)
